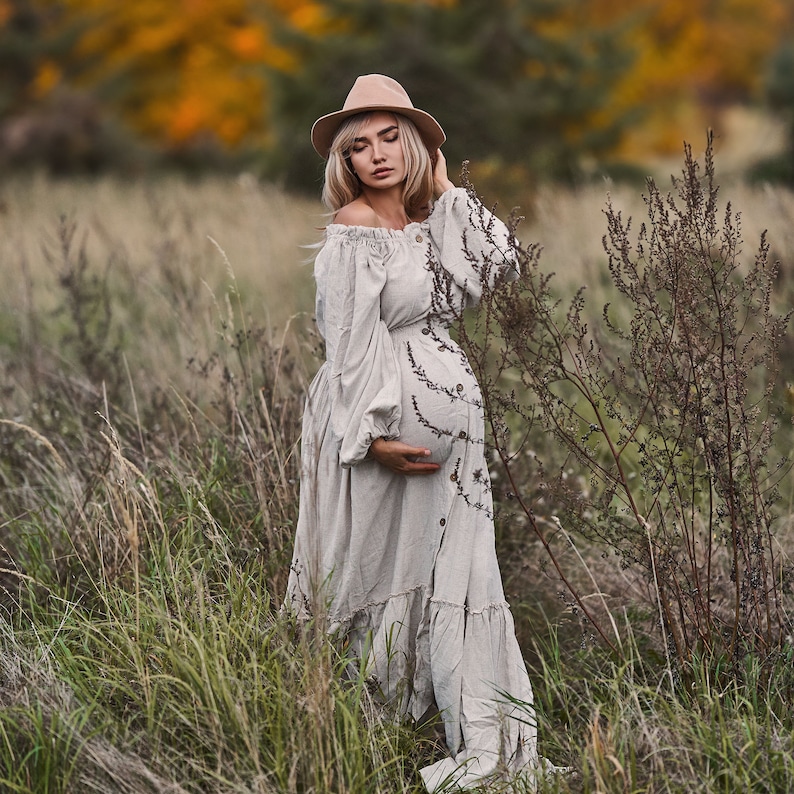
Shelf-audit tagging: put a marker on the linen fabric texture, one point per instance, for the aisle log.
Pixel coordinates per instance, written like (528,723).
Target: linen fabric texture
(405,568)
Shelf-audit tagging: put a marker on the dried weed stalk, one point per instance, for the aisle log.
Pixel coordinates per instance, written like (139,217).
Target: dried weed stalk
(650,431)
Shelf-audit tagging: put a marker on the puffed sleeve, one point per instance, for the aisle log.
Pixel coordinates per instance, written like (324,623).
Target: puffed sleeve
(473,245)
(364,377)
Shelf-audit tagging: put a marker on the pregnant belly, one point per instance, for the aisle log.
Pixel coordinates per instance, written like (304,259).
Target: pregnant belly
(440,400)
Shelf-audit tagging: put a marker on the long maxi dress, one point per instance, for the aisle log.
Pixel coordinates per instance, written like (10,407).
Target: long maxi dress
(405,567)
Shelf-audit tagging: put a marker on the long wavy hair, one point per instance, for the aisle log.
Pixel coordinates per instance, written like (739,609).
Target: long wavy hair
(342,186)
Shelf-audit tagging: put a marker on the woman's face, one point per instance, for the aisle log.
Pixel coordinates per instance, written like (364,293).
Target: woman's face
(377,153)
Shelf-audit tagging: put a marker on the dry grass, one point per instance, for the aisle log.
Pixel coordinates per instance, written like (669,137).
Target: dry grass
(166,249)
(570,226)
(150,399)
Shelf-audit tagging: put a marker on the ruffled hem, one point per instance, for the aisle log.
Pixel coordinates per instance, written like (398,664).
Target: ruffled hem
(449,775)
(419,652)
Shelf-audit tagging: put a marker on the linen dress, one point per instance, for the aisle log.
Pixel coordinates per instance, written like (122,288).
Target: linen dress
(405,566)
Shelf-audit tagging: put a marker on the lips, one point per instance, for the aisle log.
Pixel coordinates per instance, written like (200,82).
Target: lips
(381,171)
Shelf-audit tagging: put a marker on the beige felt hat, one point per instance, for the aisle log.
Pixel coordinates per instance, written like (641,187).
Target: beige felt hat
(376,92)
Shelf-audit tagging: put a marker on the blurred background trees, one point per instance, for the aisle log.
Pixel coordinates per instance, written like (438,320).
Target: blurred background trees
(529,89)
(779,92)
(516,84)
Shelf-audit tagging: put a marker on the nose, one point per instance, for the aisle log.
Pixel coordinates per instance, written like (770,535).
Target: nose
(377,155)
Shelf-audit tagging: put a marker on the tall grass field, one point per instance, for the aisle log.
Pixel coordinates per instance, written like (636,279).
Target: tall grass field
(156,341)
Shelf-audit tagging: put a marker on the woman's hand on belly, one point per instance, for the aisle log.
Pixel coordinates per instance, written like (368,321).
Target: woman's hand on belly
(402,458)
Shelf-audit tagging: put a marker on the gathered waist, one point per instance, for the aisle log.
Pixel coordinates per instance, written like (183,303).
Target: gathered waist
(427,326)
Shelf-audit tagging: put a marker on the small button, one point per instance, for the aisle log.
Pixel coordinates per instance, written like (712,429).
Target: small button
(443,522)
(462,434)
(453,477)
(419,238)
(459,387)
(425,331)
(441,347)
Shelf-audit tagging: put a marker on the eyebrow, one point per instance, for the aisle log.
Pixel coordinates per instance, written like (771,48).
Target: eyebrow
(380,132)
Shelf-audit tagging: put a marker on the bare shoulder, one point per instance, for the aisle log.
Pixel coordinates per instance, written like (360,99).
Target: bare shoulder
(357,213)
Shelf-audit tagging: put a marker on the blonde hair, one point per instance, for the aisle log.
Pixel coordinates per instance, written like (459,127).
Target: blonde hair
(342,185)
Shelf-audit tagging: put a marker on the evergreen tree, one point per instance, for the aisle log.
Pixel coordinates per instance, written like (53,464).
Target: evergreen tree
(779,94)
(21,50)
(515,82)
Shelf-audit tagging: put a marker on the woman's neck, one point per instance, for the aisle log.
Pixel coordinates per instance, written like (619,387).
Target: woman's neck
(388,206)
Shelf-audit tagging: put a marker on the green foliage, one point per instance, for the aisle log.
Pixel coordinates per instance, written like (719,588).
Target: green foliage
(780,79)
(627,731)
(21,48)
(779,90)
(42,123)
(185,678)
(506,89)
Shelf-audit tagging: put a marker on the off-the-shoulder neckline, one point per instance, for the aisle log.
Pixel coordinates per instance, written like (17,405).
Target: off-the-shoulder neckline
(382,231)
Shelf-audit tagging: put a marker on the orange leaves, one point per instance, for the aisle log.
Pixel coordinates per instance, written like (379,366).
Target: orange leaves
(306,16)
(708,47)
(692,58)
(182,69)
(6,12)
(48,75)
(248,43)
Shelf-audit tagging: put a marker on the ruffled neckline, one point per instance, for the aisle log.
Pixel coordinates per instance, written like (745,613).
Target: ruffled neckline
(375,232)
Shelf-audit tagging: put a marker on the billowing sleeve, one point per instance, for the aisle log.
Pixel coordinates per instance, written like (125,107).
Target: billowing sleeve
(364,377)
(473,245)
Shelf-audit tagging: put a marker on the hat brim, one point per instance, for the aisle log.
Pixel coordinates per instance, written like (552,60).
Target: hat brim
(325,128)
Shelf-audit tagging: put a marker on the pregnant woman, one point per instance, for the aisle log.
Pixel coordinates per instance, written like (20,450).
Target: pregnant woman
(395,537)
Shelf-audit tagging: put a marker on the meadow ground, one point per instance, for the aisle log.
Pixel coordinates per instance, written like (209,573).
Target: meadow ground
(155,343)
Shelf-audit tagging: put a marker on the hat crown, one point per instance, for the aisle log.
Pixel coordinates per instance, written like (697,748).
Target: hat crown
(376,89)
(376,92)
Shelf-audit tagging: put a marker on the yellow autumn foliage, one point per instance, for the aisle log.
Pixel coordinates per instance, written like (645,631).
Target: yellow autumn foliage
(691,58)
(181,70)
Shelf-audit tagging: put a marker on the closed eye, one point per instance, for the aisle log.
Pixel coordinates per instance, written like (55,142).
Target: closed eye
(360,143)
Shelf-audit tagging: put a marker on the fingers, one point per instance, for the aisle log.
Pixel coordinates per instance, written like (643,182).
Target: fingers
(420,468)
(403,458)
(409,463)
(441,181)
(419,452)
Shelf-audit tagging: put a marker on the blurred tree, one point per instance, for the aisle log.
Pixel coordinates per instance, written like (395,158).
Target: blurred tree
(692,59)
(523,87)
(44,121)
(517,83)
(22,51)
(779,91)
(780,86)
(185,70)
